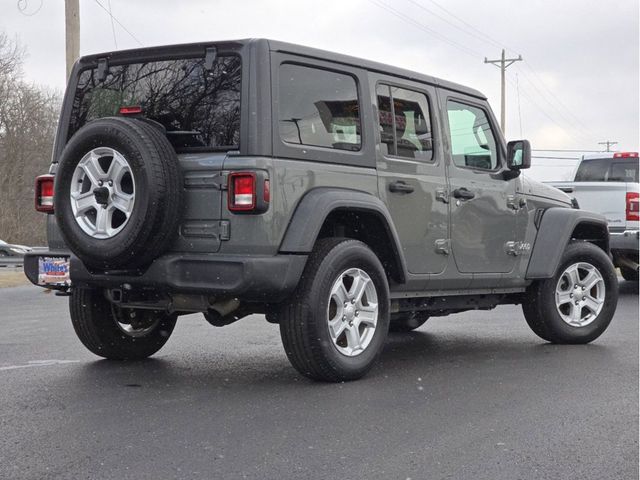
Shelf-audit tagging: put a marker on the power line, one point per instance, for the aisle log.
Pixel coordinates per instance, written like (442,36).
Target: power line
(487,38)
(490,40)
(457,27)
(569,118)
(118,22)
(557,101)
(553,120)
(556,158)
(519,111)
(113,28)
(563,150)
(424,28)
(572,130)
(558,111)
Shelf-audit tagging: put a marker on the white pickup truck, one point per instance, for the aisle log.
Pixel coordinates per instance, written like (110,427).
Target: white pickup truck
(607,183)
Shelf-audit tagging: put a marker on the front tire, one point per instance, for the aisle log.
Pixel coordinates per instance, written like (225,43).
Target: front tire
(336,323)
(578,303)
(118,333)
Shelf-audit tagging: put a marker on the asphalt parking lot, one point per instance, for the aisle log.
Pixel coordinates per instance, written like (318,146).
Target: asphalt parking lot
(470,396)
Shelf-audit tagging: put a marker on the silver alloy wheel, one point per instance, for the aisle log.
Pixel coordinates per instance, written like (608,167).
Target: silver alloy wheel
(102,193)
(580,294)
(352,312)
(135,323)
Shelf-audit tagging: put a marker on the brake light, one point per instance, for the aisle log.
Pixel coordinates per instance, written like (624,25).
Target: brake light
(130,110)
(625,155)
(44,193)
(242,191)
(632,212)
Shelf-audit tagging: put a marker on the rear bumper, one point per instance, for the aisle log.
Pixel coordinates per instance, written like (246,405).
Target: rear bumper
(627,240)
(248,278)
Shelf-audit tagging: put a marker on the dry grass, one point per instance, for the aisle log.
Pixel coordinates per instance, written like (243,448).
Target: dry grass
(12,278)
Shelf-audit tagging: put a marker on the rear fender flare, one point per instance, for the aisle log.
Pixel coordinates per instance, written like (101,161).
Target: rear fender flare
(314,208)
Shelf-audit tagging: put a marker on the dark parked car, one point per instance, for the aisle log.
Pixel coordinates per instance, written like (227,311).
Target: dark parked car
(340,197)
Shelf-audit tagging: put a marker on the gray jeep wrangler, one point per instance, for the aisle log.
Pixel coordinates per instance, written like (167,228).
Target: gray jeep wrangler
(339,197)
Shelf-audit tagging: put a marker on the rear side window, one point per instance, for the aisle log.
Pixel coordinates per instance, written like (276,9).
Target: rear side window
(199,108)
(404,123)
(318,108)
(472,142)
(593,170)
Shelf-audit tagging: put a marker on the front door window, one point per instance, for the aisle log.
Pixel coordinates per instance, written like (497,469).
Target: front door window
(472,142)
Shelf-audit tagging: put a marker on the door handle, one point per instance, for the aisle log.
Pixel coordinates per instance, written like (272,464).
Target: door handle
(463,194)
(400,187)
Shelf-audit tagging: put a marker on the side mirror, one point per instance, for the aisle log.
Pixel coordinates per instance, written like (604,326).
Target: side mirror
(518,154)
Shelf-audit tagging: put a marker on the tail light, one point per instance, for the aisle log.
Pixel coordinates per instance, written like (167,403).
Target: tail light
(633,214)
(249,192)
(44,193)
(242,191)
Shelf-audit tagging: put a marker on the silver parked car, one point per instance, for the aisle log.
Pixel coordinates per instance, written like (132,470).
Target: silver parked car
(9,250)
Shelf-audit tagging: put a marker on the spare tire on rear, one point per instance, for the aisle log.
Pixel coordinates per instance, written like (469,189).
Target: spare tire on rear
(118,193)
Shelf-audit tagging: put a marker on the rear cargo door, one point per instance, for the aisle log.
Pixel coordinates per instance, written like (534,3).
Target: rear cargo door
(192,93)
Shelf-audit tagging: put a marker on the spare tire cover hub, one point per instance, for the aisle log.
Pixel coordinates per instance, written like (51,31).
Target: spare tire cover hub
(102,192)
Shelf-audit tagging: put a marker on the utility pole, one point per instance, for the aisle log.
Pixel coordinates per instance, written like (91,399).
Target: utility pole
(72,32)
(609,144)
(502,64)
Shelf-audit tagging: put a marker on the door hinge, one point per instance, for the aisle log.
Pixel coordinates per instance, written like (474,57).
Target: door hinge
(516,202)
(225,230)
(443,246)
(442,195)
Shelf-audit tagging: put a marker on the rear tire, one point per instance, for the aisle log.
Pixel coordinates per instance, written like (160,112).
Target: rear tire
(336,323)
(118,333)
(407,321)
(560,310)
(629,274)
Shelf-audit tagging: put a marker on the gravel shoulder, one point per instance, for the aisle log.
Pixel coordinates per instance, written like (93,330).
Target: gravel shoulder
(11,277)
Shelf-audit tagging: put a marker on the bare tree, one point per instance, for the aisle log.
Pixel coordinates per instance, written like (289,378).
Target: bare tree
(28,118)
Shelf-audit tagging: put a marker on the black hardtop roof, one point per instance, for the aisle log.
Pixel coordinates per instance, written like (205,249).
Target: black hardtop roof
(284,47)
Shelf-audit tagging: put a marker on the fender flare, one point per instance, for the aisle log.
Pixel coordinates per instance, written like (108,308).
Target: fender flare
(555,231)
(314,208)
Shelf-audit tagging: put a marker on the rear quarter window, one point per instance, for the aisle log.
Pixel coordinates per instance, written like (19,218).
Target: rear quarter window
(199,107)
(318,108)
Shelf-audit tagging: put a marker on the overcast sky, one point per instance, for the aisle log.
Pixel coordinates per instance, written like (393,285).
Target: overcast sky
(578,82)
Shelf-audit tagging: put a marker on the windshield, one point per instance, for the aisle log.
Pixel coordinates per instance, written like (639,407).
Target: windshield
(199,107)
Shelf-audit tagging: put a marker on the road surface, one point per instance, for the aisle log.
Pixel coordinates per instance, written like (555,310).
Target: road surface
(470,396)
